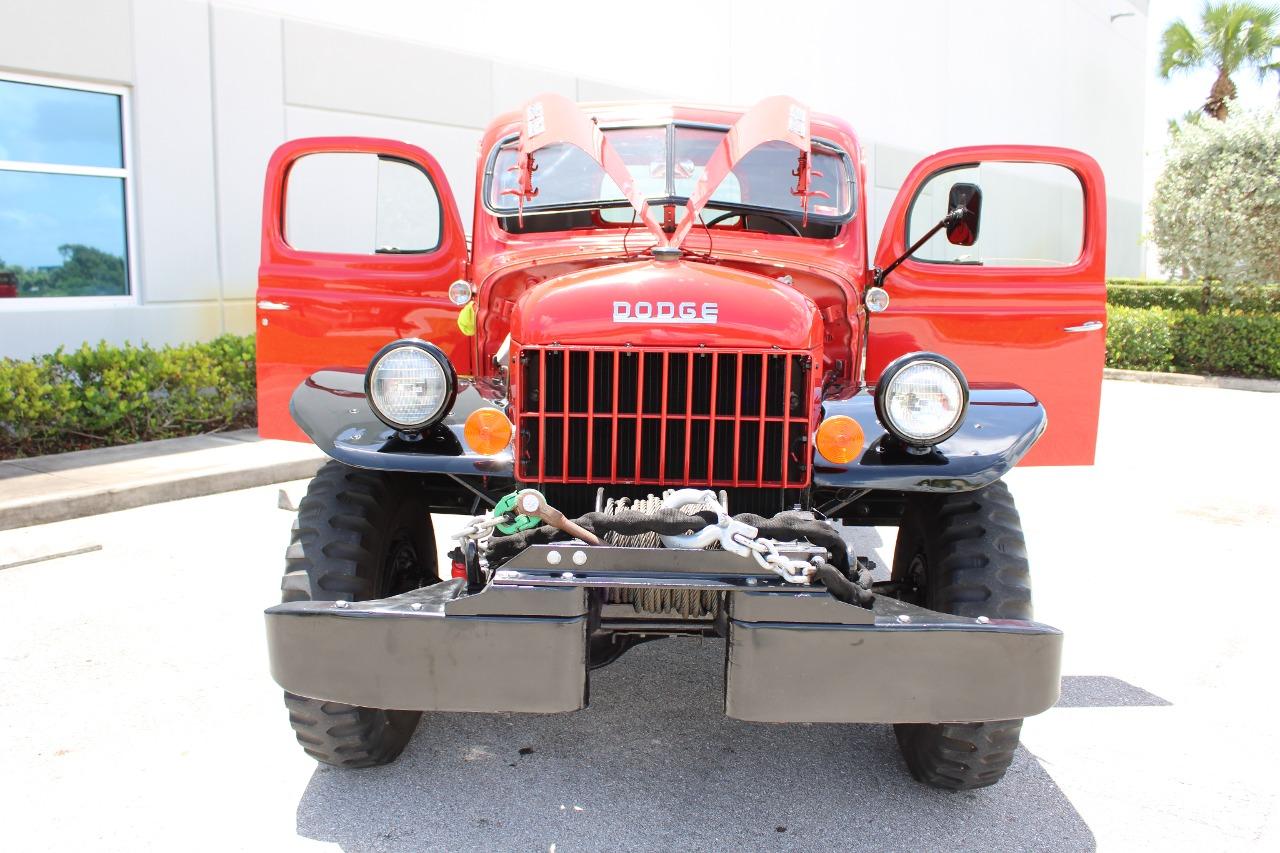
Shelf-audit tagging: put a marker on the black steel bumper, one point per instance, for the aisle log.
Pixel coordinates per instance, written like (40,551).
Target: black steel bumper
(794,654)
(1002,424)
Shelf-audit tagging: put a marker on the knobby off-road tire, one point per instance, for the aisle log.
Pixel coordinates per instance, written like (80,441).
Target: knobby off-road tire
(964,554)
(358,535)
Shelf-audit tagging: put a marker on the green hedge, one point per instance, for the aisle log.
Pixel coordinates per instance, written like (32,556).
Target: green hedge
(1171,282)
(105,395)
(1206,299)
(1139,340)
(1223,344)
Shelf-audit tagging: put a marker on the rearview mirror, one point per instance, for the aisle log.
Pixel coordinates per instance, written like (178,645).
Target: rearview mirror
(964,206)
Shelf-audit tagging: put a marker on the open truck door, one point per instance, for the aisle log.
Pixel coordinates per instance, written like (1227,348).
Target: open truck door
(1014,293)
(361,239)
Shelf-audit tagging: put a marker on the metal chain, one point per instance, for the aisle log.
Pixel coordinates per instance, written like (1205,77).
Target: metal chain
(479,528)
(765,552)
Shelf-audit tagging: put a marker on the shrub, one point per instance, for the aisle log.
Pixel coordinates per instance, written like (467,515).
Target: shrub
(105,395)
(1139,339)
(1223,344)
(1227,344)
(1140,282)
(1215,213)
(1205,298)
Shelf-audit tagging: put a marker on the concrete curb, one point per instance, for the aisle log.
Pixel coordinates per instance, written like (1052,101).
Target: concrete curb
(1234,383)
(44,489)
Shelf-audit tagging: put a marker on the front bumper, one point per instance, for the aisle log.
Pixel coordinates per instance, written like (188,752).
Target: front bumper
(794,654)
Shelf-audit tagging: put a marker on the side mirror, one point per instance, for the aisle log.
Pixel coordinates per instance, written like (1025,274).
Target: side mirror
(964,204)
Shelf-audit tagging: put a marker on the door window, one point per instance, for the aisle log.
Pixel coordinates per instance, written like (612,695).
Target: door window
(1032,216)
(360,204)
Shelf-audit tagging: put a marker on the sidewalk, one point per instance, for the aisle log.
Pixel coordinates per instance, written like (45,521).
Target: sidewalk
(42,489)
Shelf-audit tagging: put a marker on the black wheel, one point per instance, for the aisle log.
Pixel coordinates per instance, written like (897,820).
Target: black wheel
(964,554)
(359,534)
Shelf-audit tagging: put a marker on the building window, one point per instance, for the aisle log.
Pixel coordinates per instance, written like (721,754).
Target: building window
(64,191)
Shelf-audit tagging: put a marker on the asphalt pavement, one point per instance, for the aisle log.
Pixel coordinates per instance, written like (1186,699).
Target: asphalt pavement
(136,712)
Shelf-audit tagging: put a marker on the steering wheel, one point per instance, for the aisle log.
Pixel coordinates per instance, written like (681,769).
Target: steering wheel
(785,223)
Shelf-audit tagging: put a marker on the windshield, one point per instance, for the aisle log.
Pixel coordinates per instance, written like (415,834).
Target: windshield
(665,163)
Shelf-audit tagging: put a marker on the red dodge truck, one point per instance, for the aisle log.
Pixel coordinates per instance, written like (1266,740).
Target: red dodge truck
(661,374)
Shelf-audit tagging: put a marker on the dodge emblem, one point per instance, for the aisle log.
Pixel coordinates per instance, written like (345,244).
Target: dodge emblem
(665,312)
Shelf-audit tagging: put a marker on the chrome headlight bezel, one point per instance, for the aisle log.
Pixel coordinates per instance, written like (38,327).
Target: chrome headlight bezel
(884,388)
(450,383)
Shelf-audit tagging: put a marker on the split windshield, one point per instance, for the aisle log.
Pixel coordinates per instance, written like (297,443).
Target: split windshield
(665,163)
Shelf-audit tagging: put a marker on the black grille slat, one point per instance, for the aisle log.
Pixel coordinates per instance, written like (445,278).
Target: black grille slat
(722,460)
(694,417)
(602,449)
(577,449)
(628,377)
(603,400)
(531,365)
(653,391)
(626,445)
(798,386)
(554,452)
(553,392)
(776,377)
(700,446)
(726,383)
(701,384)
(650,441)
(578,384)
(674,467)
(749,386)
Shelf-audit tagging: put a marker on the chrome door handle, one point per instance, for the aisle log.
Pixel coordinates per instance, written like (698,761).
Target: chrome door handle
(268,305)
(1087,326)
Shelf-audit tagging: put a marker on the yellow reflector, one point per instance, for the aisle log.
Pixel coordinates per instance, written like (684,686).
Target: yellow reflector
(467,319)
(487,431)
(840,439)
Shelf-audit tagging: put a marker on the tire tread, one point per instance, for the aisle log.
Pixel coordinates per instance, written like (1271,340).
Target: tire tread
(333,554)
(977,561)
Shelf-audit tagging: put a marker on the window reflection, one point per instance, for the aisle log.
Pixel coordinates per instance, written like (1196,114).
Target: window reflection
(62,235)
(50,124)
(63,190)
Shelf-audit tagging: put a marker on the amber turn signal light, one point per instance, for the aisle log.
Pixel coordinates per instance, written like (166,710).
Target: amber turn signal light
(487,431)
(840,439)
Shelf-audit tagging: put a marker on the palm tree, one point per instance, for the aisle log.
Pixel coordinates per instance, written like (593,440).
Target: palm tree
(1232,36)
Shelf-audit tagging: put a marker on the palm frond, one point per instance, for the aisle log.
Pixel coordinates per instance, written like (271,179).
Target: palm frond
(1238,34)
(1270,64)
(1180,49)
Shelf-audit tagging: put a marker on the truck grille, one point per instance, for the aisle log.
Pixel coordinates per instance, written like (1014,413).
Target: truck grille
(677,417)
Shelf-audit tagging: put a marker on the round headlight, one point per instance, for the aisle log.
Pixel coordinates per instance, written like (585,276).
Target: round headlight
(922,398)
(410,384)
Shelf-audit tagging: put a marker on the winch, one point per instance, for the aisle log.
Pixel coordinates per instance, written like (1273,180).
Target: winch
(794,546)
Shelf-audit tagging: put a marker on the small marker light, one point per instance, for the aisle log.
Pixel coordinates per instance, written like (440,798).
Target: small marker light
(840,439)
(487,431)
(460,292)
(877,299)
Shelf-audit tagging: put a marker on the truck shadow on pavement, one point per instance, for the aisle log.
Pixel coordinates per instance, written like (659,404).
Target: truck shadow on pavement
(653,764)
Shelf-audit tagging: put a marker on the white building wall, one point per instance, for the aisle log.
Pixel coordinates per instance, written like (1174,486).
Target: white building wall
(215,86)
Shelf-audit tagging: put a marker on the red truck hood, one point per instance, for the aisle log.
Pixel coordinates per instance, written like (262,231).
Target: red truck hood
(666,304)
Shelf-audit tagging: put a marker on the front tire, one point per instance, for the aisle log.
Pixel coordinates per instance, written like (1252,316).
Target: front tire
(963,554)
(358,535)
